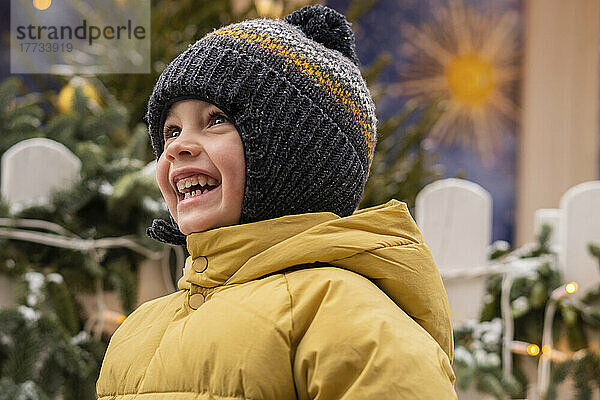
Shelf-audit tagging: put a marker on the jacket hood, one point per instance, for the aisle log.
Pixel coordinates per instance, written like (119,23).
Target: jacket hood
(382,243)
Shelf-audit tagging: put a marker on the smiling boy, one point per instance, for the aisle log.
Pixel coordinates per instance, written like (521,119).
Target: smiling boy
(290,291)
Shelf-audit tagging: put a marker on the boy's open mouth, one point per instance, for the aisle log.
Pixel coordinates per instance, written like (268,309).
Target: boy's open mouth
(195,186)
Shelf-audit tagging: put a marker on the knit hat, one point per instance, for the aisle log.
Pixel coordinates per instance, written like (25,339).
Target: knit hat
(293,89)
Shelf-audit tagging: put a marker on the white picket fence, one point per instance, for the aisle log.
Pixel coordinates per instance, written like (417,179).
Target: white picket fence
(455,218)
(31,170)
(454,215)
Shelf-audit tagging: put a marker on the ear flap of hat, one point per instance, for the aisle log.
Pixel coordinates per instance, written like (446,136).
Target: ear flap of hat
(166,232)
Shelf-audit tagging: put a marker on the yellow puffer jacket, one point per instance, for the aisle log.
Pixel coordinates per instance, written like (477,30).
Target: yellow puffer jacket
(308,306)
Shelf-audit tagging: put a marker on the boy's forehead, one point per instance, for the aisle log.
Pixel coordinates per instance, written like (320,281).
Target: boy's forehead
(172,111)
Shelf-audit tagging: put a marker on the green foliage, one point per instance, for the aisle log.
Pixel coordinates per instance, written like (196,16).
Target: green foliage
(543,242)
(123,279)
(401,164)
(43,354)
(194,19)
(584,367)
(594,250)
(112,198)
(500,249)
(574,326)
(62,302)
(558,374)
(84,123)
(28,390)
(529,296)
(20,116)
(477,359)
(585,372)
(589,307)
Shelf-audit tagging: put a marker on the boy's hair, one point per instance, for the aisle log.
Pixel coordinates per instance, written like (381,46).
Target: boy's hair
(294,91)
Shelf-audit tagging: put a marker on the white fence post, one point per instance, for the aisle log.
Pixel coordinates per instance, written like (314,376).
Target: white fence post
(579,225)
(455,218)
(32,169)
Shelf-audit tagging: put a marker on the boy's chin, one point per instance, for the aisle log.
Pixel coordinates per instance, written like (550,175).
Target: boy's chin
(188,226)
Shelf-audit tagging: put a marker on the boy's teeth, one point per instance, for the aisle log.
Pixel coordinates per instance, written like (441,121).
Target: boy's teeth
(201,180)
(193,193)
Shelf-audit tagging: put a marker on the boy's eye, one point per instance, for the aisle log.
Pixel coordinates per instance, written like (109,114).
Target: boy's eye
(169,131)
(216,115)
(213,117)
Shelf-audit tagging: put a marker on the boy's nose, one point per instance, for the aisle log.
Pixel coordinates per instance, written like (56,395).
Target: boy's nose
(182,147)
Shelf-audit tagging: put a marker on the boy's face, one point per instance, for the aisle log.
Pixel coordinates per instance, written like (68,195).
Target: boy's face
(196,140)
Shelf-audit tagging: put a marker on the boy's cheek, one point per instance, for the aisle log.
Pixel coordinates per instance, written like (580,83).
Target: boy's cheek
(162,173)
(168,195)
(162,178)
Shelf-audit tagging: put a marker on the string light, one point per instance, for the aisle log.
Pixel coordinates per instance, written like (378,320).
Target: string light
(113,316)
(525,348)
(533,349)
(546,350)
(564,291)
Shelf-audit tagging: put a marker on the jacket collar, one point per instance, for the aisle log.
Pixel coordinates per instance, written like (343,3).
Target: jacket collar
(381,243)
(220,253)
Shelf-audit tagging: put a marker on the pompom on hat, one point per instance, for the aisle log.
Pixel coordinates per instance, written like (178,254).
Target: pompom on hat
(293,89)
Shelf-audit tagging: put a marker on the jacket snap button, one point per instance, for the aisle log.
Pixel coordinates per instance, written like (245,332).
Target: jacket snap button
(200,264)
(196,300)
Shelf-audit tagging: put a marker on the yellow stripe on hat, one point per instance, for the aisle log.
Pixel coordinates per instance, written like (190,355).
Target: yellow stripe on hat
(311,69)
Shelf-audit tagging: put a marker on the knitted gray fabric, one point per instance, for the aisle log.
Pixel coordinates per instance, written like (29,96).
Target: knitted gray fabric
(293,89)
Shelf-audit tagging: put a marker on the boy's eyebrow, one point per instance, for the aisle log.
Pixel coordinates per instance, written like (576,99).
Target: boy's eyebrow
(169,112)
(210,107)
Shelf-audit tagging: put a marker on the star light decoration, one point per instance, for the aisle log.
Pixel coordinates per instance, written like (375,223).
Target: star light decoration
(466,60)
